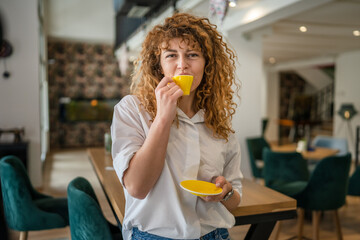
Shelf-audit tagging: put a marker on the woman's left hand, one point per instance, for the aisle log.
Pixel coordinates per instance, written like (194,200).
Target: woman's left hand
(221,182)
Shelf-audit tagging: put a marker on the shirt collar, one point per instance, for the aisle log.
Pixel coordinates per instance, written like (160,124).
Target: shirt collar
(197,118)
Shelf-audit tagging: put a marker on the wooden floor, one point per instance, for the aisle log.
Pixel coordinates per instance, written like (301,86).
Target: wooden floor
(63,166)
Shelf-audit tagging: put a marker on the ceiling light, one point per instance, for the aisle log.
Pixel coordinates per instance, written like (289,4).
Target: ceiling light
(302,29)
(272,60)
(232,3)
(356,33)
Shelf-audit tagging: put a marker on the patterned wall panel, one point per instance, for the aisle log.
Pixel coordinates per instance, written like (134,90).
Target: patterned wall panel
(81,71)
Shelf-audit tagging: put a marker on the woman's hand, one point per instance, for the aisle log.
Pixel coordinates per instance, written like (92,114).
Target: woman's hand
(226,186)
(220,182)
(167,94)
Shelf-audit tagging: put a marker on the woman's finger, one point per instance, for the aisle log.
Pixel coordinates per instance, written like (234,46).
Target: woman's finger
(170,85)
(220,181)
(164,81)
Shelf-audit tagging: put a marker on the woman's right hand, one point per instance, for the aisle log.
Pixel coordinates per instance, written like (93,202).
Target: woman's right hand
(167,94)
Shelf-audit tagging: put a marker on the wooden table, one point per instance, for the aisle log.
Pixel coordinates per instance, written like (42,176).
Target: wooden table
(260,206)
(317,154)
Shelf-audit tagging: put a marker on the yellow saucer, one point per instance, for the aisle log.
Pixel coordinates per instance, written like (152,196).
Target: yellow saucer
(200,188)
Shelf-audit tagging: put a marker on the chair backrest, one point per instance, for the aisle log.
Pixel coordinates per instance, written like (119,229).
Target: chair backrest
(255,147)
(284,167)
(328,184)
(331,142)
(21,213)
(86,218)
(354,183)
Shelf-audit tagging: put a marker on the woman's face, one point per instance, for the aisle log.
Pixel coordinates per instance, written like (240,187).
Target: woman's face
(181,59)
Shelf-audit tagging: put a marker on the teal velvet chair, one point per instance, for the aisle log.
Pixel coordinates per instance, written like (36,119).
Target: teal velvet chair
(354,183)
(325,191)
(25,208)
(285,172)
(87,221)
(255,146)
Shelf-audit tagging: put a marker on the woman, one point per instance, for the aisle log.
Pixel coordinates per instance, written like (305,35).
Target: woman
(161,137)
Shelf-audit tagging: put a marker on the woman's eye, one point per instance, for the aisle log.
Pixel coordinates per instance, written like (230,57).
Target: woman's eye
(170,56)
(192,55)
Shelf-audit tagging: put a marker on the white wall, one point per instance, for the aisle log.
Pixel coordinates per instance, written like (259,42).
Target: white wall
(347,90)
(247,120)
(79,20)
(19,94)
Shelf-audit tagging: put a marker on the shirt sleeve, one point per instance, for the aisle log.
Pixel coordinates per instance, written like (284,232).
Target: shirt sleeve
(127,134)
(232,171)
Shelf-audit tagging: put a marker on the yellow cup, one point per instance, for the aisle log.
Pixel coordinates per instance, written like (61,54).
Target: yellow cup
(184,82)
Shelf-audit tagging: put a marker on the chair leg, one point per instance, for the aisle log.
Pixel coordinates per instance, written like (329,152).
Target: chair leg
(338,226)
(316,222)
(301,215)
(23,235)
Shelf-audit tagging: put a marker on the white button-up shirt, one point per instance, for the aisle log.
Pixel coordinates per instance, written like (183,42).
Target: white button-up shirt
(192,153)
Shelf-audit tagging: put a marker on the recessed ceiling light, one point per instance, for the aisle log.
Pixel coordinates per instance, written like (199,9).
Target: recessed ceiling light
(303,29)
(272,60)
(356,33)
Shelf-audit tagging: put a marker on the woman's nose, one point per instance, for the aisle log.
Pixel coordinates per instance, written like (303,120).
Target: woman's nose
(182,63)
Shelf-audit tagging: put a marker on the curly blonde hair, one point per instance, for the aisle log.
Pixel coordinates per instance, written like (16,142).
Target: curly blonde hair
(215,93)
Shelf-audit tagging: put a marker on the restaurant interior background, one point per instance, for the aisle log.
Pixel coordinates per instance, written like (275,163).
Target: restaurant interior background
(65,53)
